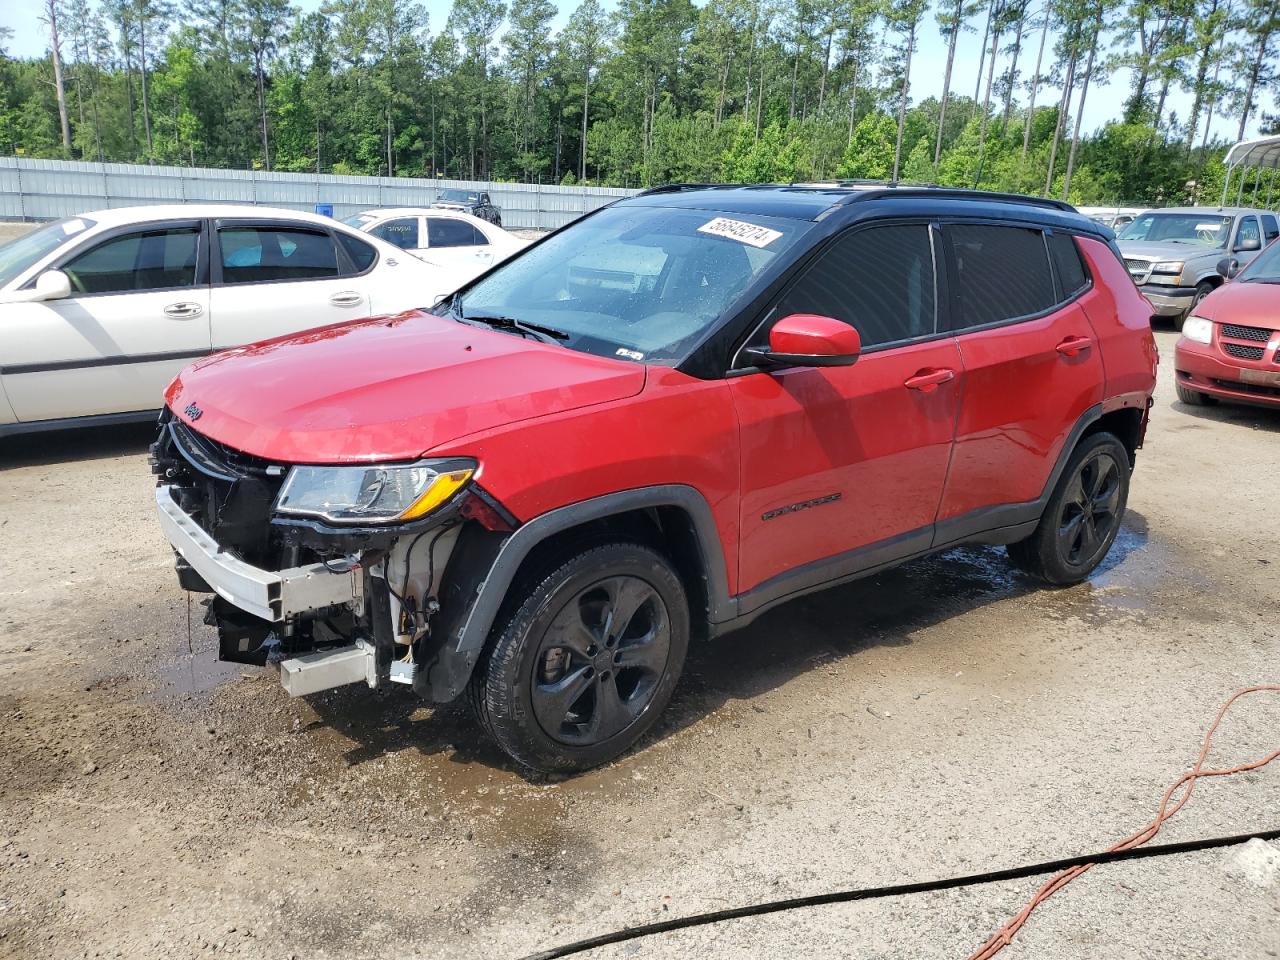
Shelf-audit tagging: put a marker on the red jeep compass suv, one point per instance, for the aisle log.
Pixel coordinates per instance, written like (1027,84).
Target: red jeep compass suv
(650,427)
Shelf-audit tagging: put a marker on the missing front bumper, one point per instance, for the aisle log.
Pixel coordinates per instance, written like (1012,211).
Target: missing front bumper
(268,594)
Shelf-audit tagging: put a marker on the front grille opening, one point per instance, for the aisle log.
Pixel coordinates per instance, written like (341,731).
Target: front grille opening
(1242,351)
(1256,334)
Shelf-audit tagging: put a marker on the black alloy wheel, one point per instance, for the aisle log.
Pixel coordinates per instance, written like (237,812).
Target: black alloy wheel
(1083,516)
(586,662)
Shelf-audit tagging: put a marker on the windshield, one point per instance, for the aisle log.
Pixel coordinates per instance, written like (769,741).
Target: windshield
(1205,230)
(359,220)
(459,196)
(18,255)
(642,283)
(1265,267)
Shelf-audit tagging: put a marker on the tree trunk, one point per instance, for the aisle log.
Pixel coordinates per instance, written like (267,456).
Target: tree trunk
(1084,93)
(1013,68)
(986,102)
(262,107)
(946,80)
(1035,86)
(1063,105)
(1255,69)
(826,66)
(51,8)
(586,87)
(902,100)
(146,109)
(982,60)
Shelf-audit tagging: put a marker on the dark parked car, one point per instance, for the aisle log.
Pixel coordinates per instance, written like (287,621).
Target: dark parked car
(470,201)
(647,429)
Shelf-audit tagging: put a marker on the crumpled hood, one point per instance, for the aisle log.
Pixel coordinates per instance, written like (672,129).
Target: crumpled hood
(1243,303)
(389,388)
(1152,250)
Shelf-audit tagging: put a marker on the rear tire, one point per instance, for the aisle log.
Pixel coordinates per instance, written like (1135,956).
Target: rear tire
(1083,515)
(1193,398)
(586,660)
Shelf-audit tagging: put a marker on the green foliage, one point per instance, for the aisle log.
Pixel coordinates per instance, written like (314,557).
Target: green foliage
(648,91)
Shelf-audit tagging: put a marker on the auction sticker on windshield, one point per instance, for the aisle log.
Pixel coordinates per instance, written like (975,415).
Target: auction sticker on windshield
(741,231)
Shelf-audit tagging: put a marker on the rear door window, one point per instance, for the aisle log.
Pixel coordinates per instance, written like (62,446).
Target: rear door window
(362,254)
(1002,273)
(880,280)
(146,260)
(1270,229)
(257,254)
(403,233)
(447,232)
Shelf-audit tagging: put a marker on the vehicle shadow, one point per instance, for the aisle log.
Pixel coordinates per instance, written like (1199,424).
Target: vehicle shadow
(788,641)
(79,443)
(1265,418)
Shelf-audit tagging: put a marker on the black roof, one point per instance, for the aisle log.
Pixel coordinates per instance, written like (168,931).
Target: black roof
(816,201)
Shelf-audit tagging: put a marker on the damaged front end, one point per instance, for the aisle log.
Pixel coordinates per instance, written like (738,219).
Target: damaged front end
(338,574)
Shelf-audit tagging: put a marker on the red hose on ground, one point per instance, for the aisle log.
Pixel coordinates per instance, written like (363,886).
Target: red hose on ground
(1002,936)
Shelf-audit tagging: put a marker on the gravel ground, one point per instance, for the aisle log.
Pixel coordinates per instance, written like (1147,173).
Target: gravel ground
(944,718)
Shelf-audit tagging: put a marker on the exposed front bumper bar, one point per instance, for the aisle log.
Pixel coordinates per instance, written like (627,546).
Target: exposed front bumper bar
(268,594)
(1168,301)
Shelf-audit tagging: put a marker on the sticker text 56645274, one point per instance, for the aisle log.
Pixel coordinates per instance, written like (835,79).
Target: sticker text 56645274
(741,231)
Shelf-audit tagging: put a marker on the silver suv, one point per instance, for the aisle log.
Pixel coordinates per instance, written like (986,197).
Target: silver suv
(1173,254)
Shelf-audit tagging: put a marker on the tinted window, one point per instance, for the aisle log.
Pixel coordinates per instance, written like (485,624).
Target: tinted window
(362,254)
(1248,237)
(150,260)
(403,233)
(253,254)
(1001,273)
(1270,230)
(1066,260)
(879,280)
(444,232)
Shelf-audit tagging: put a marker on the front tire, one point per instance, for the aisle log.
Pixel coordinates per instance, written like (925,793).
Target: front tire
(586,661)
(1083,516)
(1203,289)
(1193,398)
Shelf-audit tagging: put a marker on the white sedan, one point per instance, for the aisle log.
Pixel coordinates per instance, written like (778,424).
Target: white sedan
(465,245)
(99,312)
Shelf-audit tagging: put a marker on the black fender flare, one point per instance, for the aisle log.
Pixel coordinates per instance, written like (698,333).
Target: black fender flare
(445,675)
(480,618)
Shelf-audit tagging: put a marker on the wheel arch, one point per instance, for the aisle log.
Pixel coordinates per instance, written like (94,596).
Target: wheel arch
(675,518)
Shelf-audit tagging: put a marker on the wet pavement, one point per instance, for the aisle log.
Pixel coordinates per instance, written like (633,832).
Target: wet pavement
(940,718)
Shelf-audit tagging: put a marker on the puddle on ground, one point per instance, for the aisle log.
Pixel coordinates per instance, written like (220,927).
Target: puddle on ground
(200,672)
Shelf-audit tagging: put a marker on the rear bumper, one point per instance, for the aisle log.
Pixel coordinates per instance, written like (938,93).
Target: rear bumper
(1168,301)
(1200,367)
(271,595)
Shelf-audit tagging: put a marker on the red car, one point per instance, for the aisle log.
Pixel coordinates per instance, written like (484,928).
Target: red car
(649,428)
(1230,345)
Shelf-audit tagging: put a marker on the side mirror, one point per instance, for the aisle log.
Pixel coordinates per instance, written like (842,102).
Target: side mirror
(809,340)
(1228,267)
(50,285)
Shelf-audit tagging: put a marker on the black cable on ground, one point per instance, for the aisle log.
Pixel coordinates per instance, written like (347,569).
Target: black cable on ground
(898,890)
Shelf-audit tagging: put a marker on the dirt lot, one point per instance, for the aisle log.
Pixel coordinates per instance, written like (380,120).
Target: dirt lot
(944,718)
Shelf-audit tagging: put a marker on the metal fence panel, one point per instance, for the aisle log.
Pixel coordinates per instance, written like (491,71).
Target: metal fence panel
(49,189)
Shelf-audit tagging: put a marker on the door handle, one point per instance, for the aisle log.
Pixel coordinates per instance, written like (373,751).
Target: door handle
(183,311)
(347,298)
(1074,346)
(928,379)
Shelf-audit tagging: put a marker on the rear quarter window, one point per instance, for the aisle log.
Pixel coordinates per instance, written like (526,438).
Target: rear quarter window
(1066,260)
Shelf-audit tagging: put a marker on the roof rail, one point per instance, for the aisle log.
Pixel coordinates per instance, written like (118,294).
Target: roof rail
(959,193)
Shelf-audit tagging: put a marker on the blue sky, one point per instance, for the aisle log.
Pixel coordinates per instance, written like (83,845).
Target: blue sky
(30,38)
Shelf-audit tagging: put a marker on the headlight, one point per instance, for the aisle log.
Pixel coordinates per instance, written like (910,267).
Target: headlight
(1198,329)
(1167,266)
(373,494)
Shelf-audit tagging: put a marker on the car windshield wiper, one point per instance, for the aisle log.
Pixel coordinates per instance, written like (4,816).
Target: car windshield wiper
(524,327)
